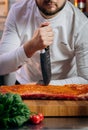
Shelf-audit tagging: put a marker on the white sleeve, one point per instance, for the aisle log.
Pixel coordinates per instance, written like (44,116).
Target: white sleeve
(10,39)
(73,80)
(12,54)
(81,54)
(12,61)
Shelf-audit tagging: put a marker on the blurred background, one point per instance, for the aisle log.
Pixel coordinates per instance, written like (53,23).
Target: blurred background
(5,5)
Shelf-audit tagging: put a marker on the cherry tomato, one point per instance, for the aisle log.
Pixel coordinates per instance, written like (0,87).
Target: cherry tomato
(35,119)
(41,116)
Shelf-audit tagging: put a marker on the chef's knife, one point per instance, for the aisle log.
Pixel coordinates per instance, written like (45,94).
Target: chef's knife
(45,65)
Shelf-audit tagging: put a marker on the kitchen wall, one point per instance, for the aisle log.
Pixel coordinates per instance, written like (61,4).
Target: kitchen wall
(3,15)
(86,5)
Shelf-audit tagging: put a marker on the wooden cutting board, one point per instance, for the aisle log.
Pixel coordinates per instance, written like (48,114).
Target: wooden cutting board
(58,107)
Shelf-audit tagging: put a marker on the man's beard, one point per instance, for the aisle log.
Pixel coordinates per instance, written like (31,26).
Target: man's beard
(47,12)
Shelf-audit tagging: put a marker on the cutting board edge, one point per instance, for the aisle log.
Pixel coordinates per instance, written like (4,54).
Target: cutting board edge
(58,107)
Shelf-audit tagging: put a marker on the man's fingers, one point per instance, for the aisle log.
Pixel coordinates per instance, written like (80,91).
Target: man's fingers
(50,34)
(44,24)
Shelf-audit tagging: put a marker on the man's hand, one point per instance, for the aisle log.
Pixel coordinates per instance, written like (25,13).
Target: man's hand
(42,38)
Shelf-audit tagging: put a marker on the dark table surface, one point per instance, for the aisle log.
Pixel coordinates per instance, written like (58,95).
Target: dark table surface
(55,123)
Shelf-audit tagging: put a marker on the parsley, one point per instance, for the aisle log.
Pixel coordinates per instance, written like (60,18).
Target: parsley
(13,111)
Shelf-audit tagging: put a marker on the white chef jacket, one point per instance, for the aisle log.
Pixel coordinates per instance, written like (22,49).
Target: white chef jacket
(68,53)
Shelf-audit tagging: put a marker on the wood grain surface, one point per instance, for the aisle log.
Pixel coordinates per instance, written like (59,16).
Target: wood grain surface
(58,107)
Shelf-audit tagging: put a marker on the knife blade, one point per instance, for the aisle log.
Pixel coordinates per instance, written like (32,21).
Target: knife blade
(45,65)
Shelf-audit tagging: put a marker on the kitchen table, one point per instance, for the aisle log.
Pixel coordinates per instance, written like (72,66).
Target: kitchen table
(55,123)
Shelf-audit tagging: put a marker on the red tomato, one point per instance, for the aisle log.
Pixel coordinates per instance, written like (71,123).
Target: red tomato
(41,116)
(35,119)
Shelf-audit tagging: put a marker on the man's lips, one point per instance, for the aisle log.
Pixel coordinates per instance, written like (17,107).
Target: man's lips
(50,4)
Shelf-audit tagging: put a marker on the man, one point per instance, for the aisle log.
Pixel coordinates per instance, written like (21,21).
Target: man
(31,26)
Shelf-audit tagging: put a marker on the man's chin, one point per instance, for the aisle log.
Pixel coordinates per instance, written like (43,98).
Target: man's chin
(49,13)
